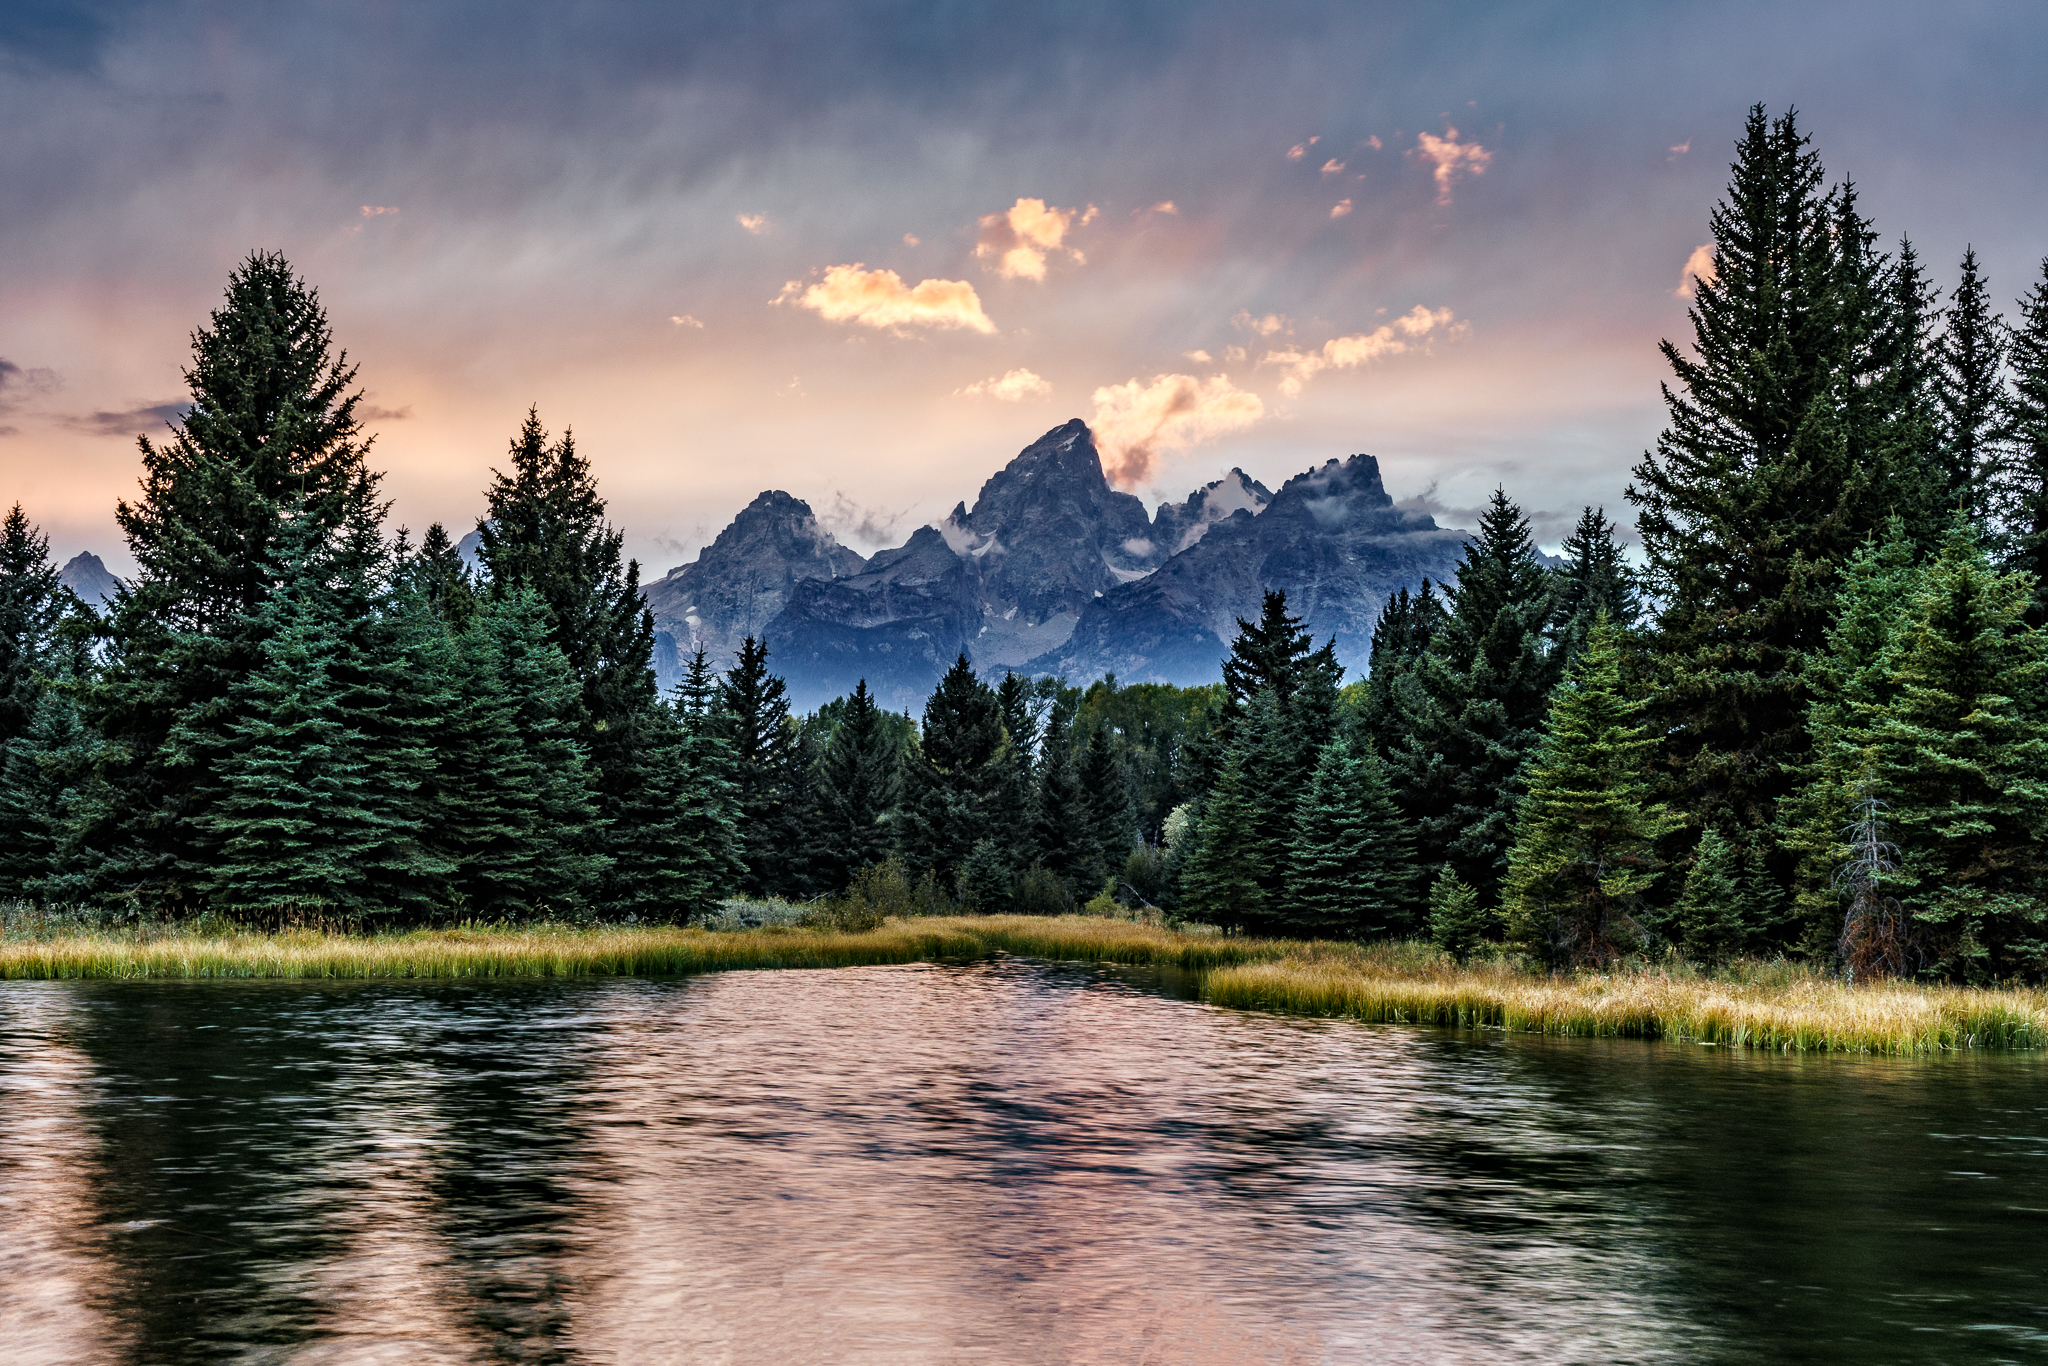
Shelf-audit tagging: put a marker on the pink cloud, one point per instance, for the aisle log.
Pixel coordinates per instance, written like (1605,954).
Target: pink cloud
(879,298)
(1134,422)
(1698,266)
(1409,332)
(1020,238)
(1340,208)
(1332,166)
(1451,159)
(1013,387)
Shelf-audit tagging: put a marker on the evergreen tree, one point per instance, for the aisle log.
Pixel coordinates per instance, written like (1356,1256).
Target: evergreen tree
(1962,761)
(950,776)
(1400,639)
(663,873)
(1458,924)
(1106,794)
(46,774)
(1481,694)
(1586,836)
(1969,389)
(1594,579)
(709,845)
(1352,863)
(1269,747)
(1269,654)
(1218,880)
(2021,481)
(271,436)
(1798,424)
(858,785)
(1712,926)
(437,575)
(756,705)
(1063,837)
(34,607)
(985,880)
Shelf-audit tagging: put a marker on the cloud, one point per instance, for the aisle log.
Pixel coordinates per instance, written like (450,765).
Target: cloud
(1374,142)
(378,210)
(1340,208)
(1265,326)
(371,412)
(685,320)
(857,524)
(1679,149)
(1406,333)
(128,422)
(1020,238)
(16,382)
(1698,266)
(1014,387)
(1166,206)
(1297,151)
(1133,422)
(755,223)
(1199,357)
(1452,158)
(1332,166)
(910,239)
(879,298)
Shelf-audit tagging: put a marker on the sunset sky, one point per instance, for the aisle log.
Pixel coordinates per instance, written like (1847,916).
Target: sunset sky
(865,252)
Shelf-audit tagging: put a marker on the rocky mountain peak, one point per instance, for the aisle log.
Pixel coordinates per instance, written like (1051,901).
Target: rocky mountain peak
(1179,525)
(86,575)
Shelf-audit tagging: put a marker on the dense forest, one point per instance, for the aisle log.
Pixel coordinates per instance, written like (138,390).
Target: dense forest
(1808,718)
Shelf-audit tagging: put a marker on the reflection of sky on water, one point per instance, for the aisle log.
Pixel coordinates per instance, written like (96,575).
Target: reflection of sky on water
(1004,1162)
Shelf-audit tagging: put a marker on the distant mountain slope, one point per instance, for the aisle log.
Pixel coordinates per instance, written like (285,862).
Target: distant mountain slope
(1331,539)
(739,583)
(86,575)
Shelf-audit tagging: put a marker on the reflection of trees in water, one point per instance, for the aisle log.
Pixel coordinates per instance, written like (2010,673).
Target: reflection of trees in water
(378,1165)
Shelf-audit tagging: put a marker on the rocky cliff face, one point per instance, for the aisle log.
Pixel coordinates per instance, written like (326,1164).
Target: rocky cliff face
(86,575)
(1180,525)
(739,583)
(1331,539)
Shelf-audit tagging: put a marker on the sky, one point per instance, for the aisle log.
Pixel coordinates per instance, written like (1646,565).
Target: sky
(867,250)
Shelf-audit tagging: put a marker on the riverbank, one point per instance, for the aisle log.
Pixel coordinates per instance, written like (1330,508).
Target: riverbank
(1777,1007)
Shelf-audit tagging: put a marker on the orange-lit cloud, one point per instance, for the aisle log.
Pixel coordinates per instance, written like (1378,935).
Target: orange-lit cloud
(1698,266)
(1134,422)
(1406,333)
(1264,327)
(1166,206)
(1013,387)
(1332,166)
(755,223)
(1340,208)
(910,239)
(1452,159)
(378,210)
(685,320)
(879,298)
(1198,356)
(1020,238)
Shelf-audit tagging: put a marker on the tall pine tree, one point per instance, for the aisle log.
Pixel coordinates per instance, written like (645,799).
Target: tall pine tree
(858,786)
(1969,389)
(1352,871)
(2021,482)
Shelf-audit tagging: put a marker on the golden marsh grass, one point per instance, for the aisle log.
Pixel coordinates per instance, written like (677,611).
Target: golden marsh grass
(1774,1008)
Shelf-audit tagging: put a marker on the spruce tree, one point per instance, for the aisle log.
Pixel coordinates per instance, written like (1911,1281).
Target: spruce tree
(46,775)
(858,786)
(272,435)
(1106,794)
(1063,837)
(1796,426)
(1585,847)
(1458,924)
(1400,638)
(1481,695)
(1351,871)
(2021,483)
(1711,923)
(756,705)
(1595,579)
(951,775)
(1969,389)
(1218,880)
(985,880)
(1962,762)
(34,607)
(710,844)
(437,575)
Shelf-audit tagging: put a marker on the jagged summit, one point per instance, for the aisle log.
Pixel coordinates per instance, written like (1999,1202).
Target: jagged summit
(86,575)
(739,583)
(1051,570)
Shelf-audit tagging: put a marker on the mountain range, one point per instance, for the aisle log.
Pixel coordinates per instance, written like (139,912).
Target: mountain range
(1051,571)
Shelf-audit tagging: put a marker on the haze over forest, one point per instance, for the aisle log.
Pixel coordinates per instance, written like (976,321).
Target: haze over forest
(867,256)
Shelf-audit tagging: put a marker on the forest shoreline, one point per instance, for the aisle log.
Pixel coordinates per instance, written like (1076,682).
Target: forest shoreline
(1778,1007)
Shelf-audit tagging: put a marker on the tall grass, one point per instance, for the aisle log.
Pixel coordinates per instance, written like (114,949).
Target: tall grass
(1791,1011)
(1773,1006)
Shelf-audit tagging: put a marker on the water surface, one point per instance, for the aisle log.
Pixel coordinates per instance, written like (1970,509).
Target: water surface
(1003,1162)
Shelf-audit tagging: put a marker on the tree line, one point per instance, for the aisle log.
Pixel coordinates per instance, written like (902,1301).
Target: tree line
(1808,719)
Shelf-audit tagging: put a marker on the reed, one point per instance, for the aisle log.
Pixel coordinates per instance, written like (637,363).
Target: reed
(1806,1013)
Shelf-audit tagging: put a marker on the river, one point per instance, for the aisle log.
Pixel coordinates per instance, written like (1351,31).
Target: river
(1001,1162)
